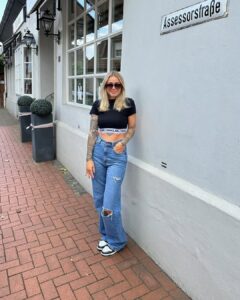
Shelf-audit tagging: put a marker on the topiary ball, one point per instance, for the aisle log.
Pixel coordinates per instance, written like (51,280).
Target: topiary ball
(25,101)
(41,107)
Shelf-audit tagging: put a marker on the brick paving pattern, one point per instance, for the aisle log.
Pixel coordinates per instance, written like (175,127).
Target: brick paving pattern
(48,236)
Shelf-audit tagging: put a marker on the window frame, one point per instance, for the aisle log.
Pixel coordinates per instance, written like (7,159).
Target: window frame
(19,65)
(96,40)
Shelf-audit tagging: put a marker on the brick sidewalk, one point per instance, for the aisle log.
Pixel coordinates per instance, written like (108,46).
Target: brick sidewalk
(48,237)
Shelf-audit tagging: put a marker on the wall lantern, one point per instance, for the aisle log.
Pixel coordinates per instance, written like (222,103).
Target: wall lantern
(29,40)
(47,20)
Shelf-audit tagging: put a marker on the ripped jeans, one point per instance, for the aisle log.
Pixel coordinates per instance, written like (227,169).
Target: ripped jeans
(109,173)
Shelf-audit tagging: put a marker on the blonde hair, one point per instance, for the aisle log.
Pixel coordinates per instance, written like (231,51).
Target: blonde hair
(120,102)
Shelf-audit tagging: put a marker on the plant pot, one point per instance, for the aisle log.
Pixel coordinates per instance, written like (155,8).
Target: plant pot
(26,134)
(43,139)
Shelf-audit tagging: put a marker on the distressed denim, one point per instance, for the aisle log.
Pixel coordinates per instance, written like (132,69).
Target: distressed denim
(109,173)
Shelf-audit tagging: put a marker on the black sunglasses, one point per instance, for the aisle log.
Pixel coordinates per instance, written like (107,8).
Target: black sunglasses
(115,85)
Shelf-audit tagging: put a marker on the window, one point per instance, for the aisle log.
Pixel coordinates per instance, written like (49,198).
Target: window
(23,71)
(27,66)
(94,46)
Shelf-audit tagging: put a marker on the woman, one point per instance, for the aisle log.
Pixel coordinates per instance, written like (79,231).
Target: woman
(113,122)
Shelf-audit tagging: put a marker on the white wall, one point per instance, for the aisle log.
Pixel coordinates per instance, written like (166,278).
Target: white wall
(185,84)
(190,79)
(46,65)
(186,88)
(11,99)
(190,233)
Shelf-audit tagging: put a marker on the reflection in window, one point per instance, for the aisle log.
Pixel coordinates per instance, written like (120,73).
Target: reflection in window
(28,70)
(27,54)
(90,59)
(102,20)
(27,63)
(71,64)
(71,9)
(116,52)
(98,83)
(90,26)
(80,62)
(27,86)
(71,40)
(80,32)
(90,3)
(80,7)
(79,91)
(71,90)
(102,50)
(89,91)
(117,15)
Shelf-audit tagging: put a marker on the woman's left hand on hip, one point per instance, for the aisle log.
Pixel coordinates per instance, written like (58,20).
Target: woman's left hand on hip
(119,147)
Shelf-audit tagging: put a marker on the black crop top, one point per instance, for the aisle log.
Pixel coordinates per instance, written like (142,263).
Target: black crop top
(113,118)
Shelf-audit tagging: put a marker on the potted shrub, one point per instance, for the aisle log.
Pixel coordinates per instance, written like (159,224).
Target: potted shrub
(43,144)
(24,115)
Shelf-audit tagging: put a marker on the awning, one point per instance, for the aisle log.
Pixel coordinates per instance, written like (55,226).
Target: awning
(32,7)
(7,43)
(11,11)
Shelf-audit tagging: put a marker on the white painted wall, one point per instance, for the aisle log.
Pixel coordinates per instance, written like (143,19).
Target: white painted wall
(46,64)
(186,88)
(190,79)
(11,99)
(185,85)
(191,234)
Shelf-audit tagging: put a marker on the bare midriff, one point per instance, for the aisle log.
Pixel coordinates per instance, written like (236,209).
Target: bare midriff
(111,137)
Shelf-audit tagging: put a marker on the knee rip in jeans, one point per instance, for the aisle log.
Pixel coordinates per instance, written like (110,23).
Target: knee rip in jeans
(116,178)
(107,212)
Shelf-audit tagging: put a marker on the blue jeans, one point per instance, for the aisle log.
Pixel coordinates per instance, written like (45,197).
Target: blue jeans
(109,173)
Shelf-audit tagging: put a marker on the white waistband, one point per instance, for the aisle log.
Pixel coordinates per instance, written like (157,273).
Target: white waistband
(112,130)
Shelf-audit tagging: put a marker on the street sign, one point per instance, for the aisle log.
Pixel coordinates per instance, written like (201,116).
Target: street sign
(192,15)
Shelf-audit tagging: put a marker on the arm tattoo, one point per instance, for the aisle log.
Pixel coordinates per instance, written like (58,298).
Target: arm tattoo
(92,136)
(128,136)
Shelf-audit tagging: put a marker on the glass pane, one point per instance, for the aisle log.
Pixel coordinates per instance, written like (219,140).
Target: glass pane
(80,32)
(27,70)
(102,50)
(98,83)
(116,52)
(71,90)
(80,7)
(71,64)
(80,62)
(27,86)
(90,18)
(71,40)
(90,59)
(27,54)
(79,94)
(117,15)
(70,9)
(102,20)
(89,91)
(90,3)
